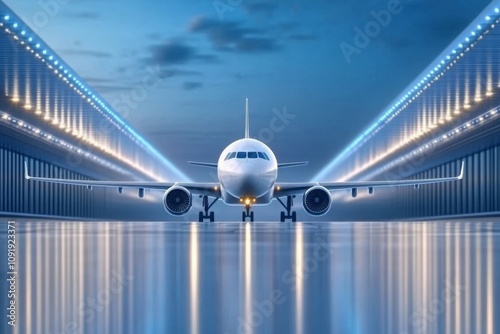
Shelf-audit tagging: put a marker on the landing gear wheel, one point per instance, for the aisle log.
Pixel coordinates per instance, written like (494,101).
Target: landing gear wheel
(247,214)
(289,214)
(206,206)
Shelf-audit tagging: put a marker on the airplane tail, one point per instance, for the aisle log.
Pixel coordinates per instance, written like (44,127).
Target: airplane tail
(247,121)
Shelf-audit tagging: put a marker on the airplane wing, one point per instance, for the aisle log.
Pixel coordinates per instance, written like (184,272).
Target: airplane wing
(287,189)
(209,189)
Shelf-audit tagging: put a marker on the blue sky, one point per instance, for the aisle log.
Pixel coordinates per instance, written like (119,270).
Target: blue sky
(202,58)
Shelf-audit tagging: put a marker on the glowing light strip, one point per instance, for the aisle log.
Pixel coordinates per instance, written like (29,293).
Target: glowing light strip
(33,131)
(440,140)
(25,36)
(474,32)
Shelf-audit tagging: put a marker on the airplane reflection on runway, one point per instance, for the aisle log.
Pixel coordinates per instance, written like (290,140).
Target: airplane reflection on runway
(429,277)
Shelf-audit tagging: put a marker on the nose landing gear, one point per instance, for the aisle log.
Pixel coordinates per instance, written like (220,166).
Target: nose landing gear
(248,201)
(247,214)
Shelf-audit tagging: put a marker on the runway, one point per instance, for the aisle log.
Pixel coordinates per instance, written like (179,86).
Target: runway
(265,277)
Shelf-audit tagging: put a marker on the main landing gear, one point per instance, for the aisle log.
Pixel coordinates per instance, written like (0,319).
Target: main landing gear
(205,214)
(247,214)
(289,214)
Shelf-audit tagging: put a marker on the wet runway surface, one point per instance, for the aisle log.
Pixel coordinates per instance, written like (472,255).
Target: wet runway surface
(332,277)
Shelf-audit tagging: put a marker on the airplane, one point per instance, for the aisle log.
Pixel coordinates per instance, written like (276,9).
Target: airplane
(247,172)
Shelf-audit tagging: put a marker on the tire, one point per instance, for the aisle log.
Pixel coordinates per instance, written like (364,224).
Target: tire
(243,216)
(200,217)
(212,216)
(282,217)
(251,216)
(294,216)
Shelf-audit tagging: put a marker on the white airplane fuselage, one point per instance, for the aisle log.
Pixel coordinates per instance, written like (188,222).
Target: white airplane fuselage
(247,170)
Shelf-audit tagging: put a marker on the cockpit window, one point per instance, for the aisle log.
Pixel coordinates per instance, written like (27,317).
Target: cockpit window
(244,155)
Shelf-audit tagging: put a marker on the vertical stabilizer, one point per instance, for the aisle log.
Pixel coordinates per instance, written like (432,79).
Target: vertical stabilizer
(247,121)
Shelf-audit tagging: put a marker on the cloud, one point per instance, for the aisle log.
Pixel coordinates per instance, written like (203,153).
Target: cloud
(285,26)
(264,7)
(176,53)
(303,37)
(190,85)
(173,53)
(231,36)
(96,80)
(256,45)
(110,88)
(104,85)
(168,73)
(85,53)
(83,15)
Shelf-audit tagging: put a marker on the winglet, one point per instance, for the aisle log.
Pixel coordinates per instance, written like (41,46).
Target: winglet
(26,175)
(461,176)
(247,121)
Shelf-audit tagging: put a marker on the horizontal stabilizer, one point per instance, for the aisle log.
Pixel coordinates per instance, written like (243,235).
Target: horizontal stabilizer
(293,164)
(203,164)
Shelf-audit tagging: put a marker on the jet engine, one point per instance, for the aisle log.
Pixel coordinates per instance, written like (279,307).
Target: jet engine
(177,200)
(317,201)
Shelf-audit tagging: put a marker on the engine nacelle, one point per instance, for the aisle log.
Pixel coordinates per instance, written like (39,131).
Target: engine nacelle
(177,200)
(317,201)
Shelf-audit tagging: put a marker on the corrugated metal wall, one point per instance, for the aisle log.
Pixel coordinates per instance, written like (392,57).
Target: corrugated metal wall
(18,195)
(478,192)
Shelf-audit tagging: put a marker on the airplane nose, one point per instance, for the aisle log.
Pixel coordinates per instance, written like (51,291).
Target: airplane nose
(247,180)
(254,185)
